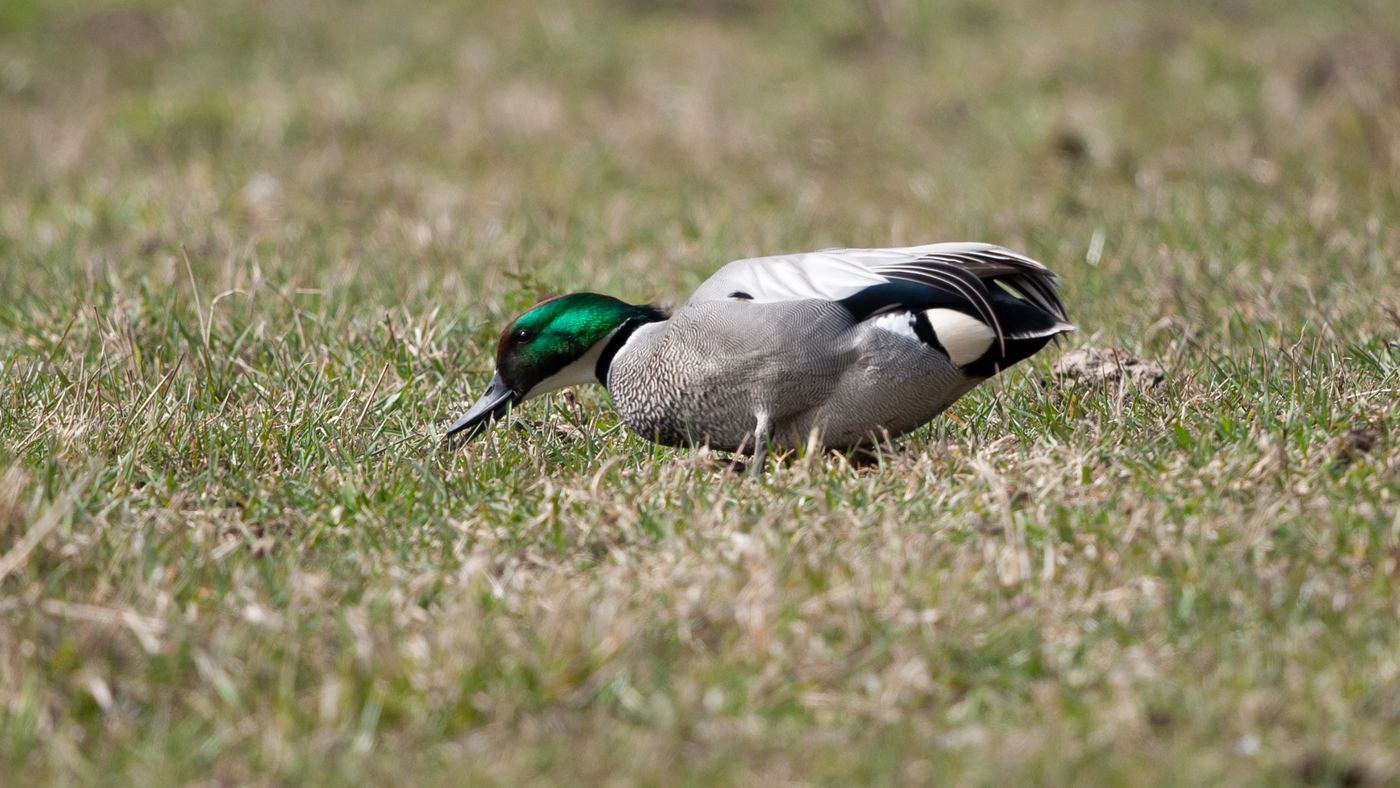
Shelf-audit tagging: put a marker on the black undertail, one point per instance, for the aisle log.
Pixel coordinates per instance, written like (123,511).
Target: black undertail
(1028,329)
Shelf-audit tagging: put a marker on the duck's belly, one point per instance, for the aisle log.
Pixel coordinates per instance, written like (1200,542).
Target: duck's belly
(898,385)
(691,410)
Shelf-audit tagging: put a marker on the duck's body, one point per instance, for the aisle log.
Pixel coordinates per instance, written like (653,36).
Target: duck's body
(710,375)
(846,346)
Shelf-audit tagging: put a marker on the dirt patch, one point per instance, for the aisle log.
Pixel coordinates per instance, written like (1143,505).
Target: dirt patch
(1355,444)
(124,31)
(1108,365)
(1320,768)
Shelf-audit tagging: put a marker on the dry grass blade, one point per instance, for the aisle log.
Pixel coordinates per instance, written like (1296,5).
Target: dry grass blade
(51,519)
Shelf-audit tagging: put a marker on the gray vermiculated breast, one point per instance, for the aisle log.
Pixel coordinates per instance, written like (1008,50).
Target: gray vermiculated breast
(703,375)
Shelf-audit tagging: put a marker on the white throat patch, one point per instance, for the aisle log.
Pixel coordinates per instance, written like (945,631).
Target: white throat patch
(579,371)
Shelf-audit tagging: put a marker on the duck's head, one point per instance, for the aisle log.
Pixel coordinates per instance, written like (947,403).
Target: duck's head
(561,341)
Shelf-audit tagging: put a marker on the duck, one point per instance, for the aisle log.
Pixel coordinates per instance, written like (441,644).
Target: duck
(838,348)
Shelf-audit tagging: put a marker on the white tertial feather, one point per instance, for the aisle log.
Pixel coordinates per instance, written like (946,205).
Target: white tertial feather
(834,274)
(964,337)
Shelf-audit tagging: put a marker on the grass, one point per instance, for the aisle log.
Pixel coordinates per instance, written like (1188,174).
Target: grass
(243,246)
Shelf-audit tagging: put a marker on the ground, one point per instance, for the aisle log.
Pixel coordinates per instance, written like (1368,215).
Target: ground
(247,249)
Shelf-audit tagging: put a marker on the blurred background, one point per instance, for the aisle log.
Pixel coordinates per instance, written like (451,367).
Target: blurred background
(246,245)
(408,151)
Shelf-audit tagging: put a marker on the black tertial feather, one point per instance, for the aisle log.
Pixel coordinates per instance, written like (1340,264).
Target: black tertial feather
(1026,276)
(1013,295)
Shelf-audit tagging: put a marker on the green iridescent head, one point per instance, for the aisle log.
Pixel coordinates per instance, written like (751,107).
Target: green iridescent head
(559,342)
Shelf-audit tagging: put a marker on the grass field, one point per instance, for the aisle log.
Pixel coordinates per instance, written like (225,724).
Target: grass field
(245,245)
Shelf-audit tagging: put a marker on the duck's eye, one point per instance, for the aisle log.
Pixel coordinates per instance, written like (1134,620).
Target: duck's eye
(523,335)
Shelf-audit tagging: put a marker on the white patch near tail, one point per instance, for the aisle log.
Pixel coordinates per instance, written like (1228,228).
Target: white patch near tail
(896,323)
(964,337)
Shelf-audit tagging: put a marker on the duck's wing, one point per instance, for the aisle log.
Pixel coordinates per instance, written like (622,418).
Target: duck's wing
(829,275)
(1027,278)
(967,277)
